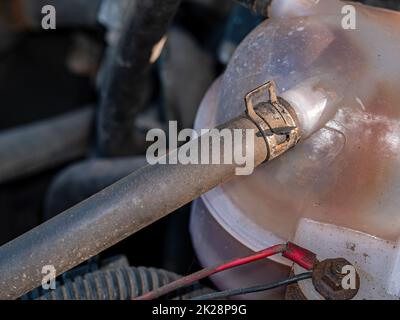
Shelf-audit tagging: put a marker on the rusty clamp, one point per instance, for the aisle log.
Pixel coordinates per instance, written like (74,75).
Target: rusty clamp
(274,117)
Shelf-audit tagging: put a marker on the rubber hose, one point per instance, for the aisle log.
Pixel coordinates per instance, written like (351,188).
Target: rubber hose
(81,180)
(32,148)
(125,90)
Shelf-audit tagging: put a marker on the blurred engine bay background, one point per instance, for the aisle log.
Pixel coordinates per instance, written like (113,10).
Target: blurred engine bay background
(49,73)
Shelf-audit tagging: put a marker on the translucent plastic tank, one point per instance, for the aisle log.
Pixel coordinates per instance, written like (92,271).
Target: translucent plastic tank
(347,173)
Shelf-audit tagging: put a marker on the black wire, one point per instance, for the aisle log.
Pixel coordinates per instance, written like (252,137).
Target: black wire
(235,292)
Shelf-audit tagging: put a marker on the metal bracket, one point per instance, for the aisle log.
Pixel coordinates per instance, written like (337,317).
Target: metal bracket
(258,95)
(274,117)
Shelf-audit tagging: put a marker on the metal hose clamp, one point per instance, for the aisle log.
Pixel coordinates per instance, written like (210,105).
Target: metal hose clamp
(275,119)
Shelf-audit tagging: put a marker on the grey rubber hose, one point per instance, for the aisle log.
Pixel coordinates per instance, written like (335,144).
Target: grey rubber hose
(81,180)
(35,147)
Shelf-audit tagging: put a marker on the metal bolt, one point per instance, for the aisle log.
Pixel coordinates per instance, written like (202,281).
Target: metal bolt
(328,277)
(338,266)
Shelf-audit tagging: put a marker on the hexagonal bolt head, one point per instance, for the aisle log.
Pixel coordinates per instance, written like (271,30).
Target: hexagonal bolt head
(328,278)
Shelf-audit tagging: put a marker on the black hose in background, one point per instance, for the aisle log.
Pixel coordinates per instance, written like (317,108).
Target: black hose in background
(257,6)
(118,284)
(125,91)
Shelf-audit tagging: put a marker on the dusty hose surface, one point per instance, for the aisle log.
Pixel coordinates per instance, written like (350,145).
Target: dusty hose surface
(81,180)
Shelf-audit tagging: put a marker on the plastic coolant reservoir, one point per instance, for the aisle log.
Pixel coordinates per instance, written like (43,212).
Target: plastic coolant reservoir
(347,174)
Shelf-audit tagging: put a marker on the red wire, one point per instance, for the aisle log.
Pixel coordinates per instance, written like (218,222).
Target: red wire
(258,256)
(293,252)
